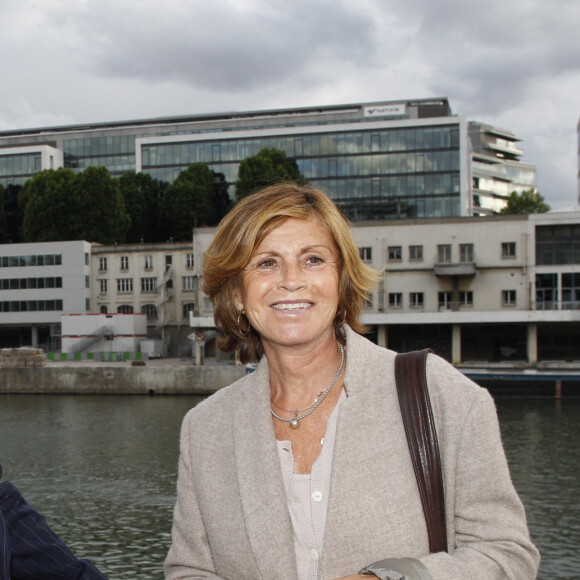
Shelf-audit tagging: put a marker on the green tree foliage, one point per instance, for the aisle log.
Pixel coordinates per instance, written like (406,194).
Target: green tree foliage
(61,205)
(3,220)
(102,209)
(51,211)
(188,202)
(268,166)
(529,201)
(14,214)
(222,202)
(142,195)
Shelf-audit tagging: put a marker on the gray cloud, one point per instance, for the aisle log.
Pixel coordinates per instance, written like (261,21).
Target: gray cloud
(512,64)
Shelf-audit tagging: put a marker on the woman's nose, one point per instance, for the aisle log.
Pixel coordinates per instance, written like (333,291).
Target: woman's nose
(292,277)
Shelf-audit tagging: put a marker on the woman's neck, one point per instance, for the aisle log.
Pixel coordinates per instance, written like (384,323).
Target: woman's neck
(297,375)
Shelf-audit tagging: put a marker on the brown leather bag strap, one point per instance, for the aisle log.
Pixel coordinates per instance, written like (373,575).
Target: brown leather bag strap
(411,379)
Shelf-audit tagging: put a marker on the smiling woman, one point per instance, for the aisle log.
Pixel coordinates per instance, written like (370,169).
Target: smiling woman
(301,470)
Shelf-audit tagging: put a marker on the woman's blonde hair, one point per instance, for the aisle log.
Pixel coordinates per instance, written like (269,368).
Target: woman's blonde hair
(244,228)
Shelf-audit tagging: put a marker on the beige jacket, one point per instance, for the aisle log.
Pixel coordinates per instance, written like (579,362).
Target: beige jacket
(231,518)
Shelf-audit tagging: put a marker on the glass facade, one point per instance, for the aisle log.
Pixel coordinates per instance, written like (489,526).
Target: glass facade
(18,169)
(116,153)
(558,244)
(372,174)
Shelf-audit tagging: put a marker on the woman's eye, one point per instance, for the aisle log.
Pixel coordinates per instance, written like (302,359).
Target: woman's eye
(268,263)
(314,260)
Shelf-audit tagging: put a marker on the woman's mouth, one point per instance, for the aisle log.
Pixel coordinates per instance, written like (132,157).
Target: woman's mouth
(291,305)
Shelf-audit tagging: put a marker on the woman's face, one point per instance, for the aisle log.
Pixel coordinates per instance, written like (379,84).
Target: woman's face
(290,286)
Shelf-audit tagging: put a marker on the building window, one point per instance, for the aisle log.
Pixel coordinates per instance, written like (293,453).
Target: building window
(87,259)
(188,283)
(125,309)
(148,284)
(102,264)
(466,298)
(546,291)
(103,286)
(508,297)
(416,253)
(395,299)
(187,308)
(416,299)
(124,262)
(466,253)
(508,250)
(103,309)
(124,284)
(148,262)
(444,254)
(150,310)
(366,254)
(395,253)
(444,300)
(189,261)
(87,281)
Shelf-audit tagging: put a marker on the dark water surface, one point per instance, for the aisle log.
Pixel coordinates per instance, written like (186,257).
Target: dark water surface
(102,471)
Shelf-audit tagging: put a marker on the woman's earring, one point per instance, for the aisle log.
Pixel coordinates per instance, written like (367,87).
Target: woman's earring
(246,332)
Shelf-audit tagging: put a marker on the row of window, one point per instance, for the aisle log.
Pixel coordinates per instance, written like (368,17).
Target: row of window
(445,299)
(149,309)
(125,285)
(31,260)
(444,253)
(25,164)
(147,264)
(30,305)
(295,146)
(26,283)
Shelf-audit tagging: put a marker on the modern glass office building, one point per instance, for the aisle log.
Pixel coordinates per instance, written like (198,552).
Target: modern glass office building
(387,160)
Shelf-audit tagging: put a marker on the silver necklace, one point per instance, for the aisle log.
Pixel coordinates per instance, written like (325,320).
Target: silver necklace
(295,421)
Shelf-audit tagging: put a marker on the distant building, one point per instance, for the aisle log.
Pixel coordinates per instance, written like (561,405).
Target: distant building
(384,160)
(498,288)
(154,279)
(38,283)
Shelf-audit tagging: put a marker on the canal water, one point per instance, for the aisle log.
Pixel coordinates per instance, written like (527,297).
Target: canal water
(102,471)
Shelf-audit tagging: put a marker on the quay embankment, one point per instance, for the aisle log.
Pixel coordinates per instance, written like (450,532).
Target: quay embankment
(168,376)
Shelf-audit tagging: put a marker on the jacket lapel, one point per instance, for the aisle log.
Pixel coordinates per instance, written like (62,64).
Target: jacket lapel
(262,493)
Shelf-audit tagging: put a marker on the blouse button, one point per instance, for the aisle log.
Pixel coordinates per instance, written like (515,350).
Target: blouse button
(317,496)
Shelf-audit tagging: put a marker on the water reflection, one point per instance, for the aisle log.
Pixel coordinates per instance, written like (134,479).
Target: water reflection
(102,471)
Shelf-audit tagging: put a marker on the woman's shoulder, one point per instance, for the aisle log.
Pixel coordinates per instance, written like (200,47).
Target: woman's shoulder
(223,402)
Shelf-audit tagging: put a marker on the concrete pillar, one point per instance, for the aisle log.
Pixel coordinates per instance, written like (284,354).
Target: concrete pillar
(532,343)
(382,335)
(34,336)
(456,344)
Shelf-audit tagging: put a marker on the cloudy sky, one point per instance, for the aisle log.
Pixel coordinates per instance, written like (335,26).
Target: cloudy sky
(512,63)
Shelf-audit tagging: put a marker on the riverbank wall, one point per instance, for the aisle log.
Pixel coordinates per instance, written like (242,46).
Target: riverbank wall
(119,380)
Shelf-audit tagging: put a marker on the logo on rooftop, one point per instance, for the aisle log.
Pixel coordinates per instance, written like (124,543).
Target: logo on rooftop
(384,111)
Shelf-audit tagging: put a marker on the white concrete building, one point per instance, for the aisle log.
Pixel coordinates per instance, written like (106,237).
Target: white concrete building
(155,279)
(497,288)
(39,282)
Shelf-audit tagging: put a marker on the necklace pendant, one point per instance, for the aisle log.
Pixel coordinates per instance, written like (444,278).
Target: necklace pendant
(295,423)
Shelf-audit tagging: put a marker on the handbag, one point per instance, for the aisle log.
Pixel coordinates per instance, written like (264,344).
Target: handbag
(411,380)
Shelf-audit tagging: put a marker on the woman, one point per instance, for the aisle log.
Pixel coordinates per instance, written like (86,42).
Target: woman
(301,469)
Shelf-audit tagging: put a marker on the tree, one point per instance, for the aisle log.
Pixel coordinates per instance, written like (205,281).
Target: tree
(529,201)
(51,211)
(268,166)
(188,202)
(60,205)
(142,195)
(102,214)
(14,213)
